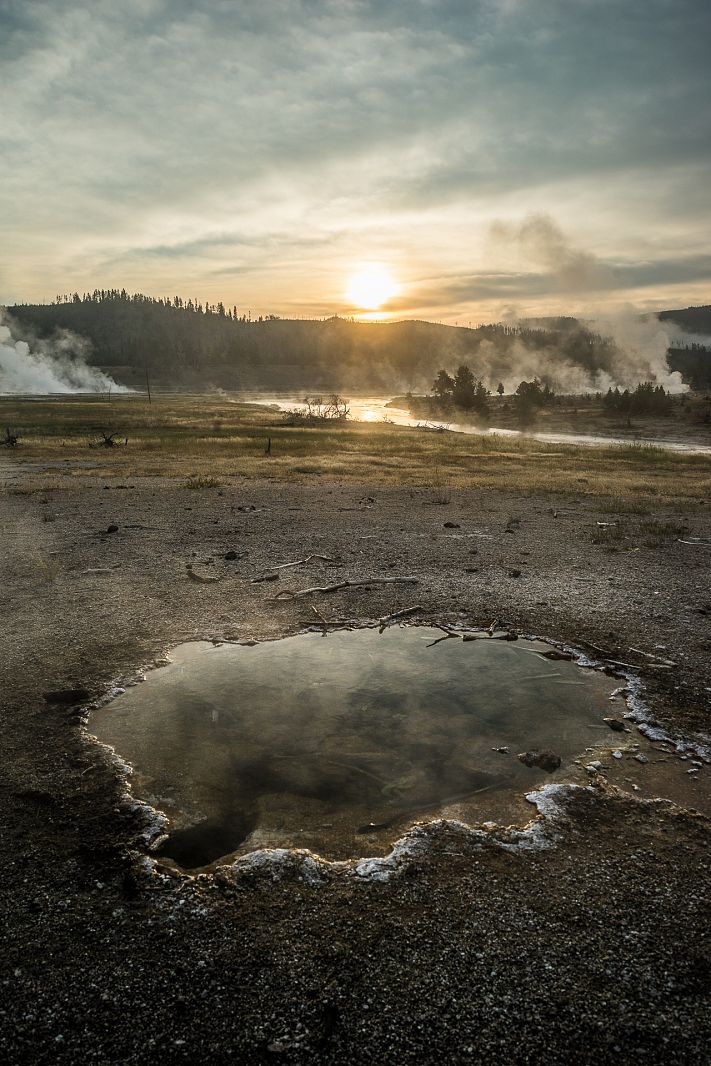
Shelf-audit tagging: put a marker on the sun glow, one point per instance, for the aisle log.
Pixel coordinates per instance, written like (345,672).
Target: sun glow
(371,287)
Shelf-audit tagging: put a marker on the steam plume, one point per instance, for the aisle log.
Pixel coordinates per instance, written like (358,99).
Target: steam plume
(639,343)
(39,367)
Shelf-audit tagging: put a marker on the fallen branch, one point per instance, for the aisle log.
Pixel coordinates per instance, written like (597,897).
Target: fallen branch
(303,562)
(288,594)
(655,658)
(108,441)
(322,620)
(385,621)
(600,651)
(447,636)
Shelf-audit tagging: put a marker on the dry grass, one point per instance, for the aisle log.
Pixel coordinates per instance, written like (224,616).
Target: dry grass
(210,441)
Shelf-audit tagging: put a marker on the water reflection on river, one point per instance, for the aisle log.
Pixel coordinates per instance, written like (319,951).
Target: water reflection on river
(376,409)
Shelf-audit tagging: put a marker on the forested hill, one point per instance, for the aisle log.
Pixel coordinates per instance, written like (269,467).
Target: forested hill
(690,319)
(184,343)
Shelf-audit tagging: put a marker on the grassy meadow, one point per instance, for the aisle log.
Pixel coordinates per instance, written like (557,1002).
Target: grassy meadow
(203,441)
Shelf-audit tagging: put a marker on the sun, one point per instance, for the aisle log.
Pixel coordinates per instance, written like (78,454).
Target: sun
(371,287)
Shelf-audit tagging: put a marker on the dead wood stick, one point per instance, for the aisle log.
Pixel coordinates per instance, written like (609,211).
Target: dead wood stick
(318,614)
(447,636)
(385,621)
(289,594)
(303,562)
(600,651)
(656,658)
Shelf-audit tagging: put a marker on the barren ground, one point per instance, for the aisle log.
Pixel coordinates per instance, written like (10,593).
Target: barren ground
(595,950)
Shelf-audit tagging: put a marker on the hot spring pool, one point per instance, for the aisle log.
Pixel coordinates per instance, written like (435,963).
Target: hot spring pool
(336,743)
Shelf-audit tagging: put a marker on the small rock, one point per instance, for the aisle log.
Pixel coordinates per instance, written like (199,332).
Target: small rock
(112,529)
(231,555)
(452,525)
(615,724)
(514,573)
(617,755)
(546,760)
(503,750)
(641,758)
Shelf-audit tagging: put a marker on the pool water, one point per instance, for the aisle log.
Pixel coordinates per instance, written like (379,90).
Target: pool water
(338,742)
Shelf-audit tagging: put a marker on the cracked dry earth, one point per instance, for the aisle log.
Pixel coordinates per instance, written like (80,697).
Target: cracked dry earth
(589,945)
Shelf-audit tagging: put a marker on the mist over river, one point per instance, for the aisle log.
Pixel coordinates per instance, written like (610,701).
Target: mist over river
(377,409)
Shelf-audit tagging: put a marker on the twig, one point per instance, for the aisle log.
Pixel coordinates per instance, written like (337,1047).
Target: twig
(656,658)
(600,651)
(320,617)
(447,636)
(288,594)
(303,562)
(385,621)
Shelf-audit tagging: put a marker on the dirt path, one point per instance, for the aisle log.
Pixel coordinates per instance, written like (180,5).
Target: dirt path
(590,951)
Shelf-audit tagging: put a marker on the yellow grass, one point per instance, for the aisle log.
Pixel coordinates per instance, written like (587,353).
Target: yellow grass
(193,438)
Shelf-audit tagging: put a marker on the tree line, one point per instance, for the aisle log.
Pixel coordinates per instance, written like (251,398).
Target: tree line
(193,342)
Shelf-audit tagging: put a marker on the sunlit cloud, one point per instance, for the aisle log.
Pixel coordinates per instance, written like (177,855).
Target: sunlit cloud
(258,153)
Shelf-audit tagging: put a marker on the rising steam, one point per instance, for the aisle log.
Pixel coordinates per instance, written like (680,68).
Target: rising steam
(639,344)
(39,367)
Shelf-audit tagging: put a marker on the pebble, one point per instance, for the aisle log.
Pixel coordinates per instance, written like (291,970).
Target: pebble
(617,755)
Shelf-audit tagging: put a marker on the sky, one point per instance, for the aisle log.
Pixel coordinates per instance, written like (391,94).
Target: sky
(495,158)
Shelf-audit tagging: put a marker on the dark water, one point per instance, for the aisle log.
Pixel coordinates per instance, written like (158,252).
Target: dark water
(335,743)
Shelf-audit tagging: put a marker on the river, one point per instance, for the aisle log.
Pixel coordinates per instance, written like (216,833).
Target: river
(375,409)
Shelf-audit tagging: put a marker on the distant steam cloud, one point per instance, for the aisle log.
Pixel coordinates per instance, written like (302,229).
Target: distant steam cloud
(639,343)
(542,241)
(39,367)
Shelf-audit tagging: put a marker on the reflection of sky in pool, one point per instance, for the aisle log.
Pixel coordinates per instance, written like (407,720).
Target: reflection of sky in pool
(335,743)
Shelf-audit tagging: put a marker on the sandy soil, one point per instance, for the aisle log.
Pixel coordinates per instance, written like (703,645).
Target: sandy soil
(592,950)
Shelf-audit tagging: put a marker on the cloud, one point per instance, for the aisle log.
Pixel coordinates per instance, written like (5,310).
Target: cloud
(143,135)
